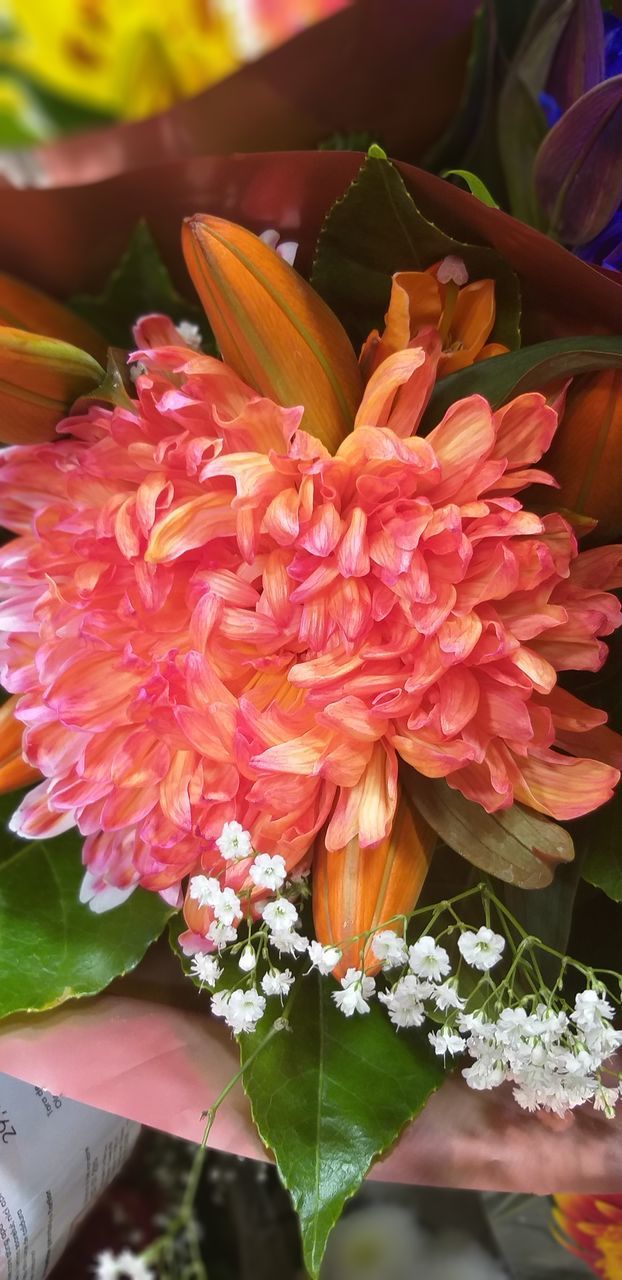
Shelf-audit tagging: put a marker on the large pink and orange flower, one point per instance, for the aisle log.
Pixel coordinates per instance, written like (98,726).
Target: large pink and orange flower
(209,616)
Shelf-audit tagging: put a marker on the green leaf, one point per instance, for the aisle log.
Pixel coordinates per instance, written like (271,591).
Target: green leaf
(115,386)
(330,1095)
(470,140)
(475,185)
(530,369)
(521,121)
(598,836)
(517,845)
(138,285)
(376,229)
(601,840)
(52,947)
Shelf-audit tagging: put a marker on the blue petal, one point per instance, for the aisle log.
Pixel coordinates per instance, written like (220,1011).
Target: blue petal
(551,108)
(605,250)
(613,45)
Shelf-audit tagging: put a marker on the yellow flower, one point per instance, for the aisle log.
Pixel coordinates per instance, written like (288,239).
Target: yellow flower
(130,58)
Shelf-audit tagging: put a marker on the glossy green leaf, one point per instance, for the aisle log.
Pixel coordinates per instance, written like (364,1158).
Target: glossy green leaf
(52,947)
(375,230)
(328,1096)
(530,369)
(138,285)
(474,184)
(517,845)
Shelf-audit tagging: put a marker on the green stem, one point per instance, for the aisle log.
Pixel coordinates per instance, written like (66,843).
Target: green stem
(183,1217)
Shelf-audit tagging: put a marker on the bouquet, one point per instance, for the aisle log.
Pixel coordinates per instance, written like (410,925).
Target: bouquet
(313,665)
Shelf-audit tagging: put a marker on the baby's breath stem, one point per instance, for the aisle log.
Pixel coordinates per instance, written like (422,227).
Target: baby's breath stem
(279,1025)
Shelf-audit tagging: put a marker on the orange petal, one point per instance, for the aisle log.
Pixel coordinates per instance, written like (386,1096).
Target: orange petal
(22,307)
(272,328)
(358,890)
(586,455)
(40,378)
(415,304)
(472,322)
(15,773)
(398,392)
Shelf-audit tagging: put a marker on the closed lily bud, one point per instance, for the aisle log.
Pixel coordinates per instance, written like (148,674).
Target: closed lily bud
(271,326)
(579,59)
(15,773)
(578,168)
(40,378)
(358,890)
(22,307)
(586,454)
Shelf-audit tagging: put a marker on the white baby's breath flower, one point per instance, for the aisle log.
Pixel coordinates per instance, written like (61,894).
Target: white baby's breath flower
(234,842)
(287,942)
(227,908)
(481,950)
(122,1266)
(241,1010)
(221,933)
(190,333)
(356,990)
(446,997)
(277,983)
(484,1074)
(248,959)
(428,960)
(205,890)
(605,1100)
(280,915)
(590,1008)
(322,958)
(389,949)
(268,872)
(206,968)
(404,1002)
(446,1041)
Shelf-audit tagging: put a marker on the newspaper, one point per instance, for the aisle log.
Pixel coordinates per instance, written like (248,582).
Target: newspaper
(56,1158)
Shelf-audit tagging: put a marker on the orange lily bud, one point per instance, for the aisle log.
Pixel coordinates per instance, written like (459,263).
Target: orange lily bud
(586,454)
(22,307)
(271,326)
(357,890)
(14,771)
(40,378)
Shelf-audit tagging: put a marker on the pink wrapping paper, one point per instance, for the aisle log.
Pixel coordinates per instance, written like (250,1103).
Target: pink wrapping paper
(163,1065)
